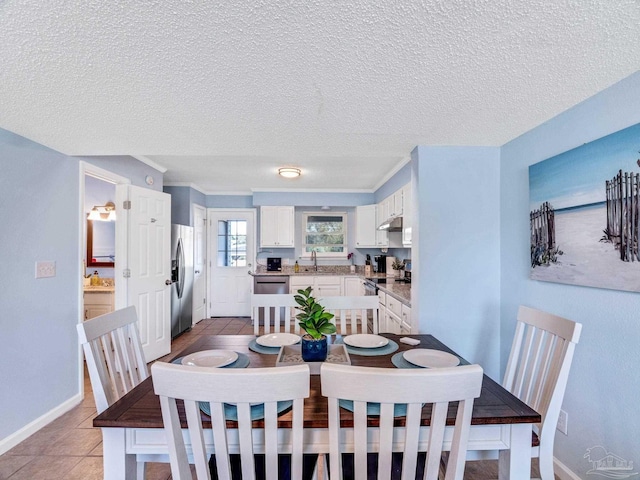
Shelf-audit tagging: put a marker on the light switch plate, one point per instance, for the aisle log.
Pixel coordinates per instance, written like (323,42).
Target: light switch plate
(45,269)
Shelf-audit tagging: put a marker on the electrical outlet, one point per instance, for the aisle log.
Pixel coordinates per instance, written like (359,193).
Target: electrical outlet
(563,419)
(45,269)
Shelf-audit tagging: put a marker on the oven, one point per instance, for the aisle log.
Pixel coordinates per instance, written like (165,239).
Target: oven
(370,288)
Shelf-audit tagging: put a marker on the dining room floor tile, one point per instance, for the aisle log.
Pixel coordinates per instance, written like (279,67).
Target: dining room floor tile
(70,448)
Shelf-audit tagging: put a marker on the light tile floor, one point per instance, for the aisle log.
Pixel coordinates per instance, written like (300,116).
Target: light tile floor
(70,448)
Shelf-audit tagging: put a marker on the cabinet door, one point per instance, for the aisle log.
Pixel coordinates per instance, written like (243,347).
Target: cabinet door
(353,287)
(276,226)
(398,203)
(382,214)
(328,286)
(268,226)
(366,226)
(285,222)
(300,283)
(406,319)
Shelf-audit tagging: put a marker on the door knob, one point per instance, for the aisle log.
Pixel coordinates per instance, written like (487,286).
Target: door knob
(167,282)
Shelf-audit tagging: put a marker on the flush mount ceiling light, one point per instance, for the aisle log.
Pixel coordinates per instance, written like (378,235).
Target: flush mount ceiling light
(289,172)
(104,213)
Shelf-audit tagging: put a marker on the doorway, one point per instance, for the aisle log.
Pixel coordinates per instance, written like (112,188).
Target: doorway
(232,252)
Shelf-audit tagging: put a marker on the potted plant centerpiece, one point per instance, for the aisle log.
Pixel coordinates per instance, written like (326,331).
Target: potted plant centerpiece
(397,265)
(314,320)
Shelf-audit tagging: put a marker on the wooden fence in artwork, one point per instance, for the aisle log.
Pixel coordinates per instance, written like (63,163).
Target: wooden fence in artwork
(543,228)
(623,204)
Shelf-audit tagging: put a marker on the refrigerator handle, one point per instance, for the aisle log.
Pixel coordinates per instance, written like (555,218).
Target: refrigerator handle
(180,268)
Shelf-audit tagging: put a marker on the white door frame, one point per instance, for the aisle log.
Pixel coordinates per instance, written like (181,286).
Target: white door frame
(205,266)
(85,169)
(251,256)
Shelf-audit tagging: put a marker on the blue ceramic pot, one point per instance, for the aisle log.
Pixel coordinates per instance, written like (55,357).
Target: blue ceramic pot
(314,350)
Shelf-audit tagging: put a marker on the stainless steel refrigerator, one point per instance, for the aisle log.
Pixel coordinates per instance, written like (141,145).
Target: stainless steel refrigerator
(181,278)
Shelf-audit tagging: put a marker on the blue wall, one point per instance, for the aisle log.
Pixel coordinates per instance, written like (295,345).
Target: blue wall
(458,239)
(602,394)
(39,211)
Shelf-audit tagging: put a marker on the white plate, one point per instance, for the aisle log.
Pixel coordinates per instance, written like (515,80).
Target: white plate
(210,358)
(365,340)
(424,357)
(277,339)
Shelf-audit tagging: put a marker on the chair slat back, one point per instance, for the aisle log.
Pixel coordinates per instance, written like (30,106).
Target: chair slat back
(351,313)
(275,311)
(114,355)
(260,386)
(389,387)
(539,363)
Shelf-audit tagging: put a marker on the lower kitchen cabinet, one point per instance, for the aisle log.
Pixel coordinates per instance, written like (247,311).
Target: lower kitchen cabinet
(353,286)
(323,285)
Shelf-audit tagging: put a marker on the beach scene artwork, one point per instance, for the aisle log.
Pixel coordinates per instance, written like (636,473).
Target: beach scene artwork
(584,210)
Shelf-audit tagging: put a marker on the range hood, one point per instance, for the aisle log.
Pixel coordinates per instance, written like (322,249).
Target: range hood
(392,224)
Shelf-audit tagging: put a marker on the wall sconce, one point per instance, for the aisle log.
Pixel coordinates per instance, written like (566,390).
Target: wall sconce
(103,213)
(289,172)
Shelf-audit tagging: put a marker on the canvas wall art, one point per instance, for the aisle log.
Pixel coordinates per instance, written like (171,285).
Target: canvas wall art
(584,207)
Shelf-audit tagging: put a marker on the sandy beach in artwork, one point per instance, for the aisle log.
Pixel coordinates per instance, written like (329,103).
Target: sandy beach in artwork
(586,260)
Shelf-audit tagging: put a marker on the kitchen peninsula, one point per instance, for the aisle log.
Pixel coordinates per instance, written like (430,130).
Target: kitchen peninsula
(394,295)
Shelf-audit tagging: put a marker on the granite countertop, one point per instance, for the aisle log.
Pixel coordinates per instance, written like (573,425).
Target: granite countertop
(400,291)
(309,270)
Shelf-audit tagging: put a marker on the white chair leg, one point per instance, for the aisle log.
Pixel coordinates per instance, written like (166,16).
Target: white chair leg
(140,470)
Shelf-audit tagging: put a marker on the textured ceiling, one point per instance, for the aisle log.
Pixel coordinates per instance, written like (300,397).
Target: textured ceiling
(221,93)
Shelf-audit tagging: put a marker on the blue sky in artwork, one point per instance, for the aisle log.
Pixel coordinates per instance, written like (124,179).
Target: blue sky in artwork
(577,177)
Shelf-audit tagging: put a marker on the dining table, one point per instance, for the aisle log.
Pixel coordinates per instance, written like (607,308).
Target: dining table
(133,432)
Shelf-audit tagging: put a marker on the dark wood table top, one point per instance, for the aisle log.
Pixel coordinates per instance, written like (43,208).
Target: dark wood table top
(140,408)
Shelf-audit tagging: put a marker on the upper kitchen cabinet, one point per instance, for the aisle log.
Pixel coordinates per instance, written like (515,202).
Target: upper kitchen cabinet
(367,233)
(277,227)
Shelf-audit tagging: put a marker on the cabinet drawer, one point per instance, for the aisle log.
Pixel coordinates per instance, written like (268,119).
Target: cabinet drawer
(382,298)
(395,306)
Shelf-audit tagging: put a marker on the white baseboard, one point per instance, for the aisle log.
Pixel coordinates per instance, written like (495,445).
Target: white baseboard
(14,439)
(562,471)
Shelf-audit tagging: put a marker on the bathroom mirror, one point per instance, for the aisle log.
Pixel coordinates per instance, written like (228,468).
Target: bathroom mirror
(101,243)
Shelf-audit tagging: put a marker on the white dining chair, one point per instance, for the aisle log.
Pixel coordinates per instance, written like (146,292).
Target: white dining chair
(114,356)
(538,370)
(247,389)
(353,313)
(409,389)
(276,313)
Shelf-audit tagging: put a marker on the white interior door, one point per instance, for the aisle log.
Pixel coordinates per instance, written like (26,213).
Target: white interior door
(232,253)
(146,270)
(199,263)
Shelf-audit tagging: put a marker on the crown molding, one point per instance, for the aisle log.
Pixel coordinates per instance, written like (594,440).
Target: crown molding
(151,163)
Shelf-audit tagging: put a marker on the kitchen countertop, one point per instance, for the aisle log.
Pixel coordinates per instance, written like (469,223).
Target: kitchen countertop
(399,290)
(99,288)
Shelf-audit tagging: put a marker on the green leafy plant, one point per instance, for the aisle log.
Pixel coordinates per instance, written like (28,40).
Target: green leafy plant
(313,318)
(397,264)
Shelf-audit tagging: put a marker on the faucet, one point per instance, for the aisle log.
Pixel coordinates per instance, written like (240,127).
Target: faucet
(314,259)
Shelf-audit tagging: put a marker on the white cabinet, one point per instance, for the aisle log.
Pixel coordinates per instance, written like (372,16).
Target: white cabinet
(353,287)
(406,215)
(277,227)
(323,285)
(405,326)
(98,303)
(366,226)
(328,286)
(368,218)
(382,236)
(396,204)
